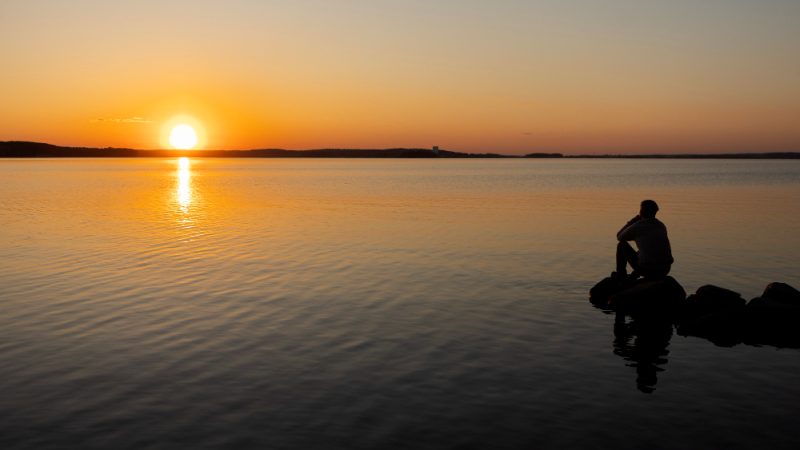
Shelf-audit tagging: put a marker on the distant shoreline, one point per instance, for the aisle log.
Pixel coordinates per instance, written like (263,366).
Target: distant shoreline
(24,149)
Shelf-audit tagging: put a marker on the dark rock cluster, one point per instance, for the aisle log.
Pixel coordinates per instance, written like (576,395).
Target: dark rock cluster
(714,313)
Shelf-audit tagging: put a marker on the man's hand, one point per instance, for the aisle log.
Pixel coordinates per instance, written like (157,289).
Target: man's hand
(633,221)
(630,222)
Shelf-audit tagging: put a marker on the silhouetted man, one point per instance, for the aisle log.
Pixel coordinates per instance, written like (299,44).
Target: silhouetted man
(654,258)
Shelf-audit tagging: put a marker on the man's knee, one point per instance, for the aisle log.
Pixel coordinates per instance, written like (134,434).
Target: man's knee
(625,247)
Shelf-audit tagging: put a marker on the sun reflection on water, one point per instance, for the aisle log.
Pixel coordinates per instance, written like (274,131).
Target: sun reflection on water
(184,192)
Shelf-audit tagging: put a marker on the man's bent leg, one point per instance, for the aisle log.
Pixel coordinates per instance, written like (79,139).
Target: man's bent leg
(626,255)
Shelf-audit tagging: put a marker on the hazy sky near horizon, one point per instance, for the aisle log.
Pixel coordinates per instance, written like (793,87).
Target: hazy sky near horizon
(509,76)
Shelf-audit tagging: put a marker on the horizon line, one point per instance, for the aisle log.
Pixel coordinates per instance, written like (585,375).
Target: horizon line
(434,150)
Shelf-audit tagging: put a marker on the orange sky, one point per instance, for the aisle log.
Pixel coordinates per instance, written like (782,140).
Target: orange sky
(512,77)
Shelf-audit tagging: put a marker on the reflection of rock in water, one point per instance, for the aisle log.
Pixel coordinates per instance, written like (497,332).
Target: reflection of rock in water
(717,314)
(644,344)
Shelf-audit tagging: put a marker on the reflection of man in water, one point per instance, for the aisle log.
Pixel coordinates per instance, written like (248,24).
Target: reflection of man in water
(644,343)
(654,258)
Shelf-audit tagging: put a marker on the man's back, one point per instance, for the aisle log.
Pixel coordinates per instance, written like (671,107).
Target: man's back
(651,239)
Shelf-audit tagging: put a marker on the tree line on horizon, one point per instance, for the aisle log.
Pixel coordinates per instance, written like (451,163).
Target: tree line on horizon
(26,149)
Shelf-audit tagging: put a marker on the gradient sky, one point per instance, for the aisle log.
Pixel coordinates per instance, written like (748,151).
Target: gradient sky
(617,76)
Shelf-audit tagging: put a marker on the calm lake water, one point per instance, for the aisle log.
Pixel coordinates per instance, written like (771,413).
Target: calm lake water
(316,304)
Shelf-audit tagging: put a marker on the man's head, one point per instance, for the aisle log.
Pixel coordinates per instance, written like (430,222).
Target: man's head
(648,209)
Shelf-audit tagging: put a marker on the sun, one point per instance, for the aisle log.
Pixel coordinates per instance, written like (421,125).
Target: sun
(183,137)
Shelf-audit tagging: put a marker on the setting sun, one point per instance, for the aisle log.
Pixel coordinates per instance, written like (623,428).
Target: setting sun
(183,137)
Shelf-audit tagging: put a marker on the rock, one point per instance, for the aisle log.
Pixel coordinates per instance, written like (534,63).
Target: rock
(720,315)
(641,296)
(711,299)
(604,289)
(778,299)
(664,296)
(714,313)
(773,318)
(769,304)
(782,293)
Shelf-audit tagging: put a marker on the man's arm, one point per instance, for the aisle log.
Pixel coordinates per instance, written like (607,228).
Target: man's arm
(625,234)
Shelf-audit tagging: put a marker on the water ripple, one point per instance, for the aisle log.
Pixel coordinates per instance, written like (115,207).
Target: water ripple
(371,304)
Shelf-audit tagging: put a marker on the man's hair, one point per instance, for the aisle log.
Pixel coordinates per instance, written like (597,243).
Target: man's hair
(649,208)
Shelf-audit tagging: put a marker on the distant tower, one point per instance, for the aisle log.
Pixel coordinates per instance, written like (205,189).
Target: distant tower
(435,149)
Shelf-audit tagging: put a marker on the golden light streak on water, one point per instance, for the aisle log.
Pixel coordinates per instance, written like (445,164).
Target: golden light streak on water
(184,190)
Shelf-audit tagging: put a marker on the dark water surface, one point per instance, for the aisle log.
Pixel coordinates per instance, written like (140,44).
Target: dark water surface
(379,303)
